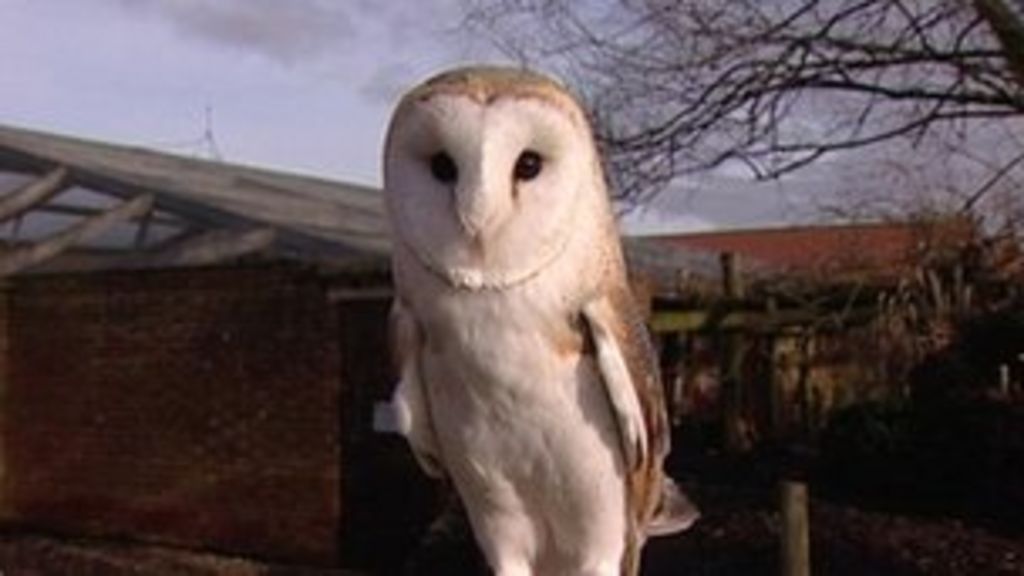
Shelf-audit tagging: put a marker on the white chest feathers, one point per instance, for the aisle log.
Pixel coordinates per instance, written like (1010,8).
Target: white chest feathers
(522,424)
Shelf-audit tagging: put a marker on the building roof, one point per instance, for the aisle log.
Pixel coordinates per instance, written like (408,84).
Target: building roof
(871,249)
(69,203)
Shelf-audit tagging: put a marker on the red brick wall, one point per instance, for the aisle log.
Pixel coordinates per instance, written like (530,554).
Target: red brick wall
(196,407)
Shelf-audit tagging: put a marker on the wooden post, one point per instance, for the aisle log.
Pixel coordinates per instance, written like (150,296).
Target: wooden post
(731,366)
(805,350)
(776,376)
(732,281)
(673,374)
(795,541)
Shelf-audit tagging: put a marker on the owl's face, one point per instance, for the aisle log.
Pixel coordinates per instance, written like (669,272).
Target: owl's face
(484,172)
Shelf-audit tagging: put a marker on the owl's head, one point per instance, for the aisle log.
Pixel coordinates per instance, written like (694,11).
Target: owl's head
(488,174)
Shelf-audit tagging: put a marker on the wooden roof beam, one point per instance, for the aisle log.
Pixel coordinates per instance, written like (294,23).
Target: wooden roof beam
(108,169)
(33,193)
(216,246)
(18,259)
(74,210)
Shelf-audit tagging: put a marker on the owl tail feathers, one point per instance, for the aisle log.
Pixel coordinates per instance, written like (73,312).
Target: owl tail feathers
(675,512)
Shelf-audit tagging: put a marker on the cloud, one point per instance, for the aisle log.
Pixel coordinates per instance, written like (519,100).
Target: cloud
(378,47)
(285,31)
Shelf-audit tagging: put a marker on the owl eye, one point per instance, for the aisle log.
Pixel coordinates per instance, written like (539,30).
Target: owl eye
(528,166)
(443,168)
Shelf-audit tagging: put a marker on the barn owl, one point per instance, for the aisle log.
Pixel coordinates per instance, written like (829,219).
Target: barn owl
(526,375)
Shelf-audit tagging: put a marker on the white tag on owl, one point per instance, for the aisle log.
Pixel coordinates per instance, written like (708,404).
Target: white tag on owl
(384,420)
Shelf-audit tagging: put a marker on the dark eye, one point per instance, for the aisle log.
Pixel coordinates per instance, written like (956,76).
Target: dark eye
(528,166)
(443,168)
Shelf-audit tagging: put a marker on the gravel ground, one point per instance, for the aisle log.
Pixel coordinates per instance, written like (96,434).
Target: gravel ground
(845,541)
(736,536)
(37,555)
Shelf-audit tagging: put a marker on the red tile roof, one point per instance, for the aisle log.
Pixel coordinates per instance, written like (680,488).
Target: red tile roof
(876,249)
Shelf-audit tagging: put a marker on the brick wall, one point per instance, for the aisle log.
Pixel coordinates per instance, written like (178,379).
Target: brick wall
(198,408)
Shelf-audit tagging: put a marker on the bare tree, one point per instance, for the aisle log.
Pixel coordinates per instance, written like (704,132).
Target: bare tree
(678,86)
(1006,18)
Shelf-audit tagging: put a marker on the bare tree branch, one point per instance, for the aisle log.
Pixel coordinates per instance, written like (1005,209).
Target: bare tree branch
(679,86)
(1007,21)
(990,183)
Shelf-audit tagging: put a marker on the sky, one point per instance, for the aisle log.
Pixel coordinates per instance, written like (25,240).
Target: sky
(298,85)
(303,85)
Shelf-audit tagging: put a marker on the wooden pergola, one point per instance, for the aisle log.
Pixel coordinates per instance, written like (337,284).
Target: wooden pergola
(68,204)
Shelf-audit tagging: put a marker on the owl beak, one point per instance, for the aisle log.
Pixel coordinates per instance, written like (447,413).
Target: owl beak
(477,209)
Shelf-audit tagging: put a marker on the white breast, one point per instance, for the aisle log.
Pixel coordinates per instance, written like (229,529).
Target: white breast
(520,414)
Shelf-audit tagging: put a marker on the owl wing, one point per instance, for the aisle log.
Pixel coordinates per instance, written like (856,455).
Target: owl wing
(629,372)
(410,401)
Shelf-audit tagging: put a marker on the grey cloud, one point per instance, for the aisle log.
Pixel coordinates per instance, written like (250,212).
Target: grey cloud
(286,31)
